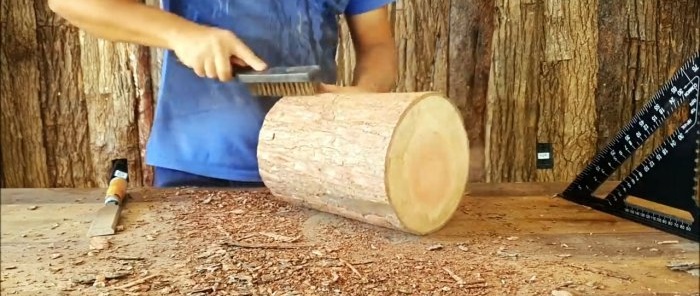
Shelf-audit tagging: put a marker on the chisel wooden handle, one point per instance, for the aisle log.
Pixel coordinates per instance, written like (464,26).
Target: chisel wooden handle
(118,181)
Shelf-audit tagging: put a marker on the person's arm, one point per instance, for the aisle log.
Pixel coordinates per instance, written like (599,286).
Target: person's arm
(375,49)
(124,21)
(376,68)
(207,50)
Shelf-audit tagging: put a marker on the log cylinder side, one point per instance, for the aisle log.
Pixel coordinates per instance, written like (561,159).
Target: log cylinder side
(376,158)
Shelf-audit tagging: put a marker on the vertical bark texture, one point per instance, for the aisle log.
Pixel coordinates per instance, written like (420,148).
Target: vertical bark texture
(69,102)
(522,72)
(567,77)
(111,92)
(63,106)
(512,94)
(541,89)
(642,43)
(471,29)
(23,149)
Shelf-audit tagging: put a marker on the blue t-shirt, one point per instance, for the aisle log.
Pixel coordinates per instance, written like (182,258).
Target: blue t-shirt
(205,127)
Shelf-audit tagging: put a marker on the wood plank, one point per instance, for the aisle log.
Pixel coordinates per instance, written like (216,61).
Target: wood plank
(548,242)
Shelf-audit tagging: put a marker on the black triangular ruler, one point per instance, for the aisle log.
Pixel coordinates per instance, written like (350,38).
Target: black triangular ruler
(668,175)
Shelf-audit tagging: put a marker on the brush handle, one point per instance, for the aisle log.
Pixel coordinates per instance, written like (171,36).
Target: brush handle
(116,191)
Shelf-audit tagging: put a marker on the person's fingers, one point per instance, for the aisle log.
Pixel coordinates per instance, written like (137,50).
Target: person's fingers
(322,88)
(328,88)
(238,61)
(333,88)
(245,54)
(210,68)
(223,67)
(199,70)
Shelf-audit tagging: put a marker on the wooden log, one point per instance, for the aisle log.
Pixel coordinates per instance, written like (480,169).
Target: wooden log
(397,160)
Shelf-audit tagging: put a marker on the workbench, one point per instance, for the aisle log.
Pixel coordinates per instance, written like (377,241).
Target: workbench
(505,239)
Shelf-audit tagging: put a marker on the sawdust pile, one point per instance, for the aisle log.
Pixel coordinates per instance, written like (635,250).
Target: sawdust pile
(249,244)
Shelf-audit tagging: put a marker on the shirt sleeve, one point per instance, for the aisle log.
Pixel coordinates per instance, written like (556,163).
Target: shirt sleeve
(361,6)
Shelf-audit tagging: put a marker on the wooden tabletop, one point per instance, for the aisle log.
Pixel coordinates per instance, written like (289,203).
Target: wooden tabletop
(45,249)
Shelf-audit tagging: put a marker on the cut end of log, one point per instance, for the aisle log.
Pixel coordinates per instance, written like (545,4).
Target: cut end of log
(427,164)
(397,160)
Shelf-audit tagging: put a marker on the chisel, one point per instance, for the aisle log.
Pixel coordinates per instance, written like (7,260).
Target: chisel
(107,217)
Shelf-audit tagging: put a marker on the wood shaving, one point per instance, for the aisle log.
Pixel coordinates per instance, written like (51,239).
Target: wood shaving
(667,242)
(249,243)
(99,243)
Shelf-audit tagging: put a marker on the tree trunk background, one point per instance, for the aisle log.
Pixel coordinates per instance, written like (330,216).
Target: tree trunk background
(522,72)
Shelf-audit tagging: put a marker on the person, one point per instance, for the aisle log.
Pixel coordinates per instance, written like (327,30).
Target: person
(206,124)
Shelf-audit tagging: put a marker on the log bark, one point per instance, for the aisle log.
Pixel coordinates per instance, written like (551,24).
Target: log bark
(397,160)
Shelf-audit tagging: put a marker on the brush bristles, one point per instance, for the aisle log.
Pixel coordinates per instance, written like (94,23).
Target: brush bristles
(283,89)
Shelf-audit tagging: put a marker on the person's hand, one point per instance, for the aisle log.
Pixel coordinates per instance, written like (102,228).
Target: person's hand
(332,88)
(210,52)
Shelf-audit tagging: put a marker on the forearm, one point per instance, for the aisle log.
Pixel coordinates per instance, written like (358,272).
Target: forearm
(124,21)
(376,68)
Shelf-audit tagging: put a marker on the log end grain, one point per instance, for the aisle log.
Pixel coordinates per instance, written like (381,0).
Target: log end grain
(427,164)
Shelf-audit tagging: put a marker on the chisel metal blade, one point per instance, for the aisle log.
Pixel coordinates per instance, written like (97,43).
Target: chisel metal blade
(107,217)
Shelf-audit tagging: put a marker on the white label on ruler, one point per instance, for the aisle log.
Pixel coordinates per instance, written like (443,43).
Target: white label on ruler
(543,155)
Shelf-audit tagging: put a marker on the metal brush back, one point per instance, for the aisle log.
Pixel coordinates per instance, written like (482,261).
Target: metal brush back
(281,75)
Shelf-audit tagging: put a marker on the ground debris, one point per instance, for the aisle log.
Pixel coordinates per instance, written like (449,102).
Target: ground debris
(99,243)
(229,242)
(269,249)
(561,293)
(89,279)
(434,247)
(689,267)
(601,272)
(667,242)
(266,245)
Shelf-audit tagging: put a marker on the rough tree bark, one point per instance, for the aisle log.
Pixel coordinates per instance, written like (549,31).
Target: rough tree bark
(63,105)
(397,160)
(567,77)
(512,97)
(111,95)
(519,70)
(23,151)
(641,44)
(471,30)
(541,89)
